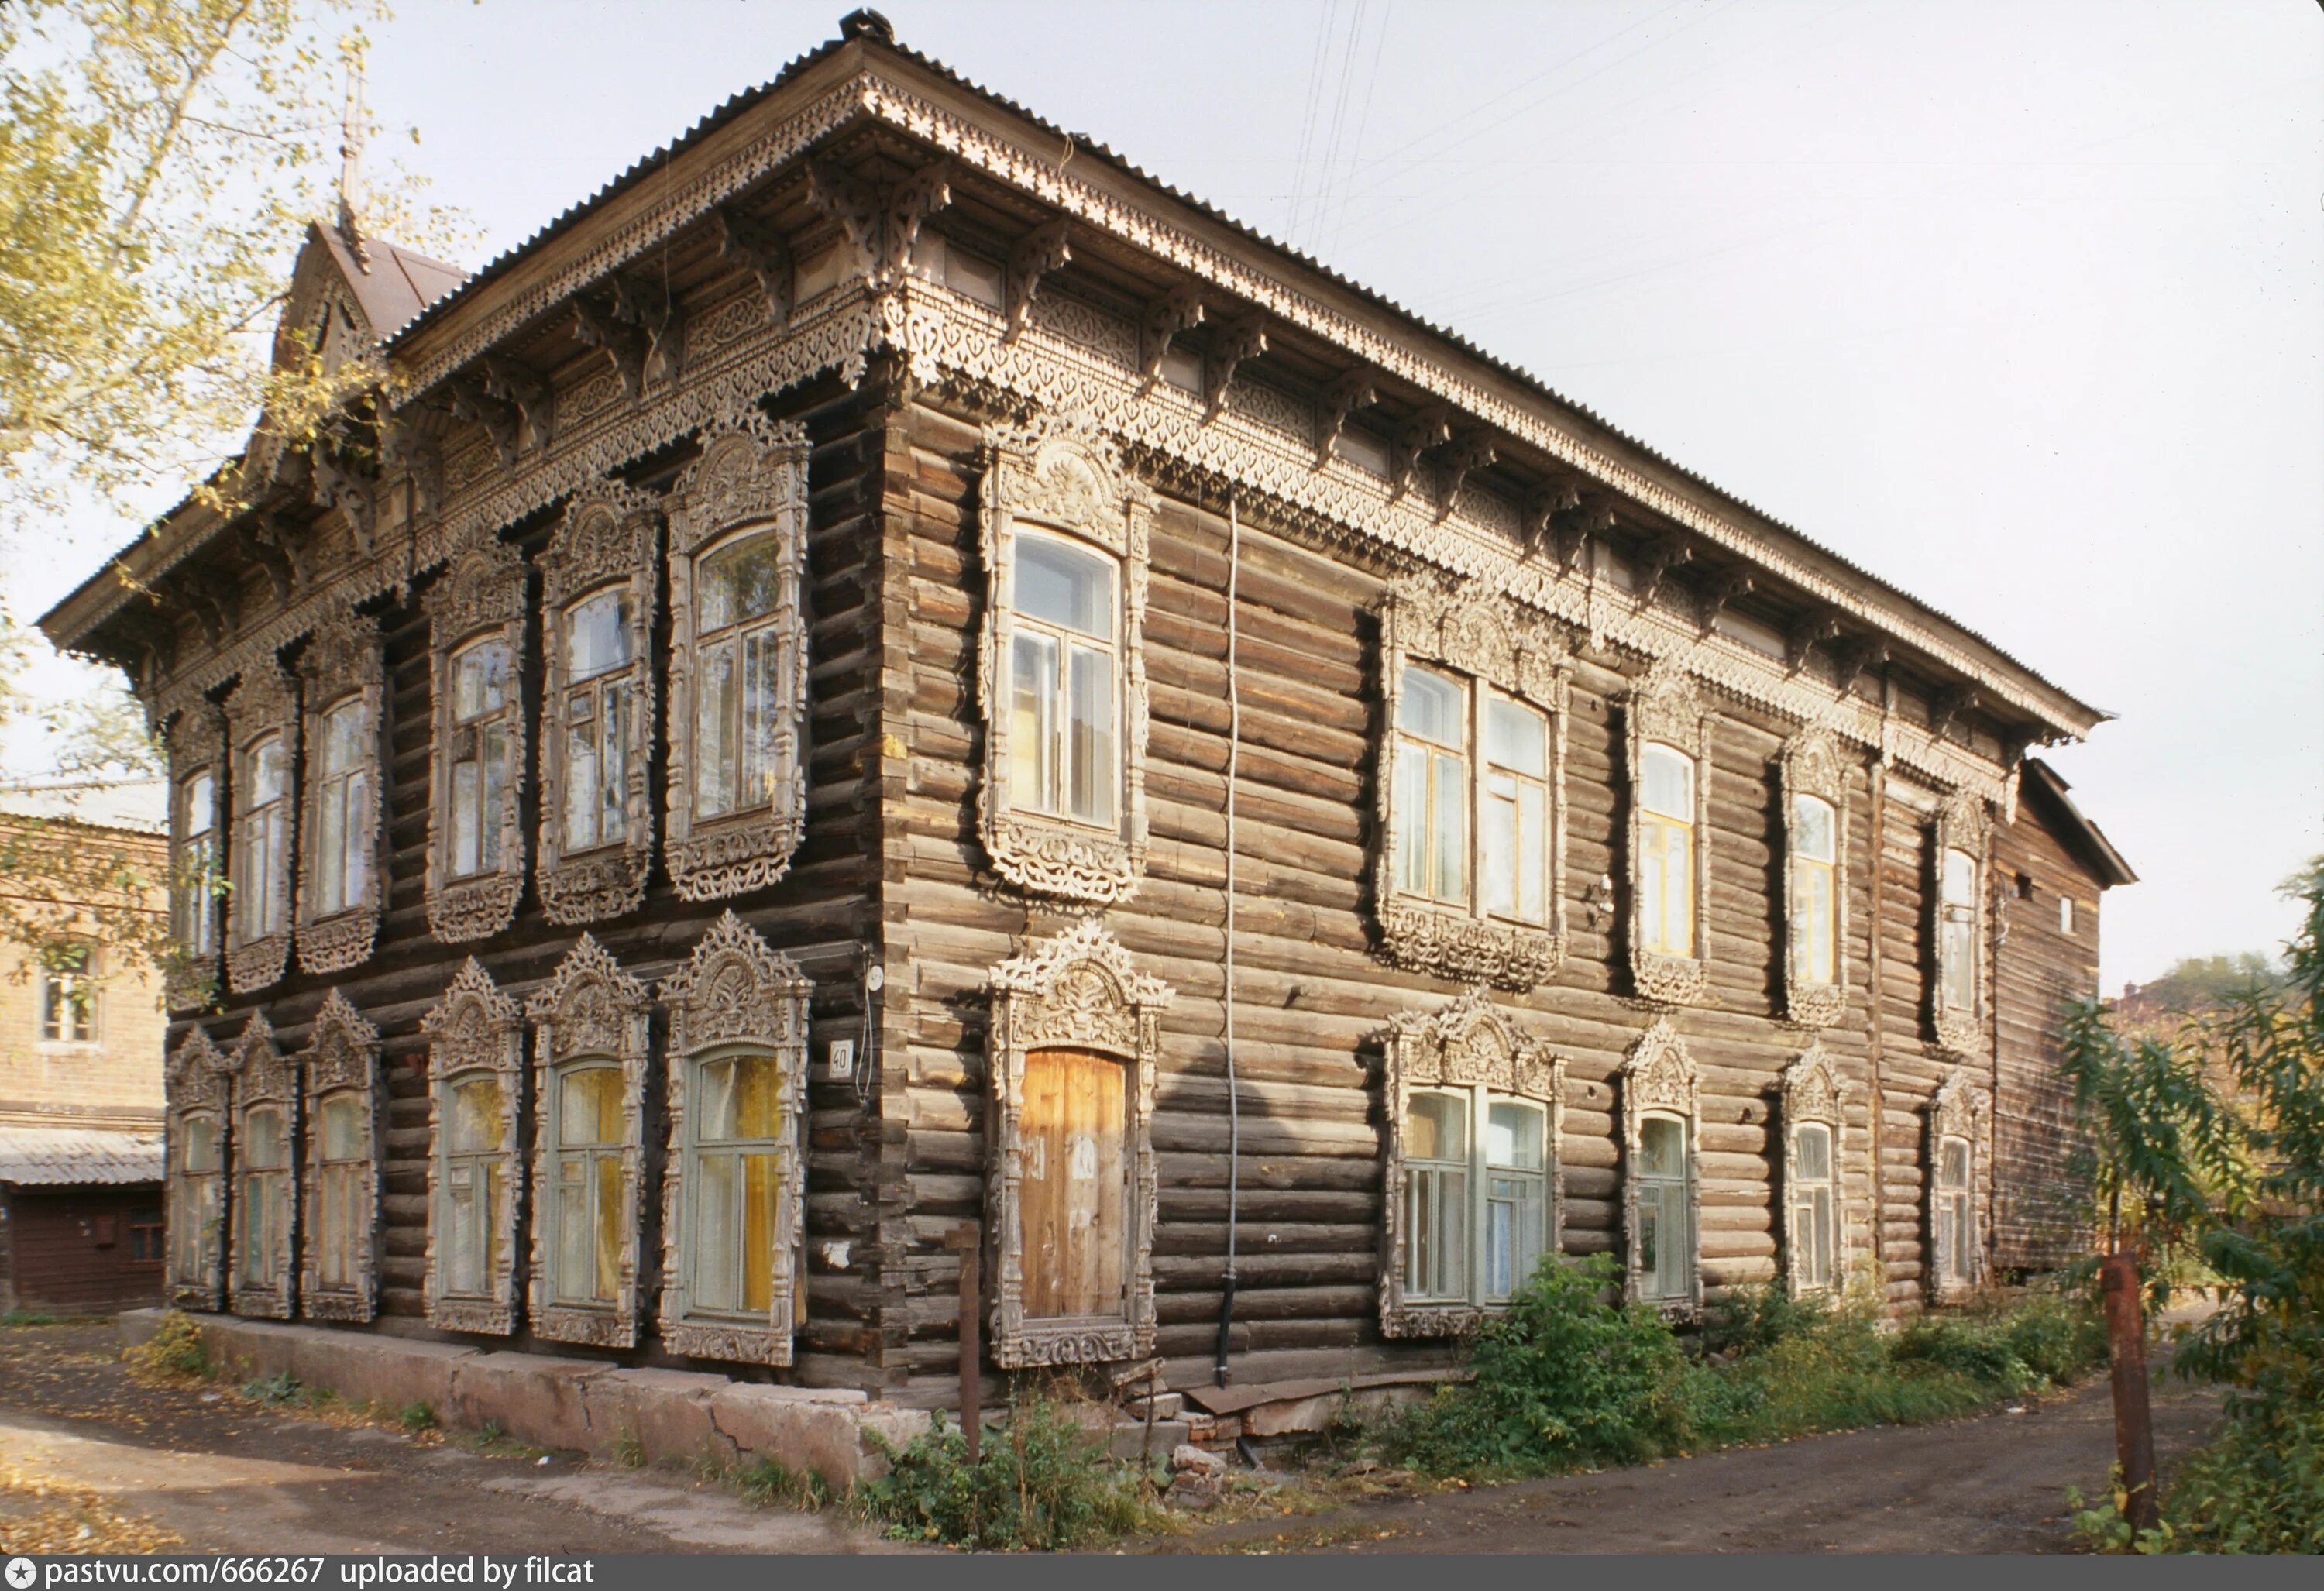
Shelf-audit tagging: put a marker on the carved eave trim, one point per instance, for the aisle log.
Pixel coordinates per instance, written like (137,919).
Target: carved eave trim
(473,1028)
(1959,1109)
(1079,990)
(1060,475)
(195,741)
(589,1010)
(344,658)
(1493,642)
(1961,823)
(1658,1078)
(1812,1090)
(341,1055)
(481,597)
(1812,765)
(611,537)
(751,473)
(263,1075)
(265,701)
(1664,707)
(1463,1042)
(735,992)
(194,1080)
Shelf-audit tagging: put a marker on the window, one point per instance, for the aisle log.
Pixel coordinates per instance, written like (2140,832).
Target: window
(1062,666)
(1666,1241)
(193,916)
(1957,950)
(1468,884)
(145,1229)
(1956,1124)
(2066,916)
(601,575)
(345,1154)
(342,794)
(265,1194)
(263,843)
(1472,1179)
(590,1054)
(1074,1032)
(484,689)
(196,739)
(263,1201)
(1660,1192)
(1815,871)
(737,1077)
(1815,892)
(194,1084)
(1814,1209)
(201,1162)
(1061,674)
(69,996)
(1956,926)
(1666,851)
(737,790)
(475,1070)
(1957,1244)
(339,888)
(339,1231)
(476,747)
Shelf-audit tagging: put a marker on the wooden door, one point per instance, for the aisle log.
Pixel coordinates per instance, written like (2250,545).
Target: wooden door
(1074,1199)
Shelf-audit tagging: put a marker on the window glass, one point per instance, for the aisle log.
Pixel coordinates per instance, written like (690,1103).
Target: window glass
(1437,1127)
(478,1124)
(591,1106)
(2065,914)
(343,1136)
(1960,878)
(1814,828)
(270,775)
(1090,743)
(1812,1151)
(1514,1136)
(342,870)
(1953,1167)
(735,1189)
(476,1184)
(1666,783)
(590,1186)
(741,580)
(596,635)
(1516,737)
(480,679)
(1431,708)
(262,1147)
(1065,585)
(201,1145)
(1662,1146)
(265,832)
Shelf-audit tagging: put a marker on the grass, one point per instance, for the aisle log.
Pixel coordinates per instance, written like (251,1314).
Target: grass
(29,1318)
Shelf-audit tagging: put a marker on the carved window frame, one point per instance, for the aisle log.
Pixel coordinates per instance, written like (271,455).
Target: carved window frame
(589,1011)
(263,1076)
(196,1082)
(750,479)
(1079,990)
(481,597)
(344,659)
(1813,1093)
(263,702)
(1812,765)
(1060,476)
(1664,707)
(1658,1079)
(1467,1044)
(1958,1109)
(1961,825)
(341,1057)
(610,539)
(195,743)
(1492,642)
(734,995)
(473,1030)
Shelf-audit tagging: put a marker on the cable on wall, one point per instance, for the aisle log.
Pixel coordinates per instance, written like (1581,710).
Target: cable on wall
(1234,1100)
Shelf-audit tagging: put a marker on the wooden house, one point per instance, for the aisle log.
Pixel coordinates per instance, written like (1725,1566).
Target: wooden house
(889,675)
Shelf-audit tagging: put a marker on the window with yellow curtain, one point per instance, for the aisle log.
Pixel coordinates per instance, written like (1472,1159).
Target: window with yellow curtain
(476,1155)
(262,1208)
(1431,787)
(736,1126)
(586,1174)
(1815,871)
(1666,850)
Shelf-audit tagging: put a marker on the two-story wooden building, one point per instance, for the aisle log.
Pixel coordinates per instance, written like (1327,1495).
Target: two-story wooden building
(888,672)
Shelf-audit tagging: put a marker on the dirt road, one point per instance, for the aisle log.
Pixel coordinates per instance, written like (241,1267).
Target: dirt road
(1996,1483)
(225,1474)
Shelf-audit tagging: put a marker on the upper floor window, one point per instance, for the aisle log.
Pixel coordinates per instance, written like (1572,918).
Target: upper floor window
(483,693)
(1061,663)
(1432,787)
(342,798)
(69,996)
(262,901)
(340,886)
(1666,850)
(193,913)
(1956,924)
(1957,944)
(1816,879)
(476,744)
(1063,660)
(2066,914)
(737,789)
(196,739)
(1815,894)
(595,715)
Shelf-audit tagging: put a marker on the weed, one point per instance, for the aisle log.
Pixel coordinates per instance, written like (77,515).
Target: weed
(765,1484)
(629,1451)
(282,1387)
(1042,1484)
(416,1416)
(27,1318)
(173,1353)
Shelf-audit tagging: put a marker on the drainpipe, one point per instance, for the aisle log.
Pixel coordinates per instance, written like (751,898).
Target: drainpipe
(1234,1102)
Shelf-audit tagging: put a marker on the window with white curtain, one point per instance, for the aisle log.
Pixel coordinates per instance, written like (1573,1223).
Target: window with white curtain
(1955,1215)
(1064,674)
(1513,811)
(740,690)
(1476,1203)
(474,1195)
(262,1195)
(343,1243)
(484,695)
(197,1198)
(1814,1224)
(595,718)
(1957,930)
(343,775)
(1431,781)
(193,917)
(1815,891)
(1666,1245)
(586,1197)
(262,841)
(733,1183)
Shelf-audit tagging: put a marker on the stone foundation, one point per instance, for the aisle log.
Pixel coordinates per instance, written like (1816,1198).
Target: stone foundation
(570,1404)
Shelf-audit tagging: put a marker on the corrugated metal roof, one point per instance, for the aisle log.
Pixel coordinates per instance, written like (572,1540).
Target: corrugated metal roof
(65,1157)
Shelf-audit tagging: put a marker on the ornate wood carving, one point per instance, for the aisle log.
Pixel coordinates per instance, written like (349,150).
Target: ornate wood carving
(482,596)
(751,474)
(266,701)
(514,382)
(475,1029)
(1658,1077)
(1060,474)
(341,1055)
(883,220)
(195,1082)
(1664,707)
(1492,641)
(589,1010)
(600,326)
(196,743)
(1345,394)
(1812,766)
(1471,451)
(1425,428)
(611,536)
(1239,339)
(761,250)
(343,658)
(1958,1109)
(1813,1091)
(1168,313)
(1080,991)
(1961,825)
(1048,247)
(735,992)
(1462,1043)
(263,1076)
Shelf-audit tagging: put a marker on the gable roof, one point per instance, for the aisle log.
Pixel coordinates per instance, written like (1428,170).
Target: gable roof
(2047,789)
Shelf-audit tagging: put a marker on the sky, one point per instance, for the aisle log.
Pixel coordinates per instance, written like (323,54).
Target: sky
(2020,307)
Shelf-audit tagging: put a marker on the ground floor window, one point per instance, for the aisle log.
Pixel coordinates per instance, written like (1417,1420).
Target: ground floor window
(736,1178)
(343,1243)
(1476,1202)
(1666,1211)
(1954,1216)
(1815,1213)
(263,1201)
(1073,1200)
(590,1183)
(475,1188)
(195,1229)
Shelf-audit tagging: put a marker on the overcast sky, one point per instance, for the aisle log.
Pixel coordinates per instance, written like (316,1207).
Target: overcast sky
(2021,307)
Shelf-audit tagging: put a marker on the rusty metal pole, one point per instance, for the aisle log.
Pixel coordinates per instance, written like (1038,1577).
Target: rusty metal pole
(2134,1424)
(966,1239)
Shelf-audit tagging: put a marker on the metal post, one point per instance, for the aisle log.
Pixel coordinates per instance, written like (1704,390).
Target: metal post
(2134,1424)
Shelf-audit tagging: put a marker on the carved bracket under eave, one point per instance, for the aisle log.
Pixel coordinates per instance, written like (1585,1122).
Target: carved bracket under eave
(1345,394)
(1166,316)
(1471,451)
(1421,430)
(1244,337)
(268,543)
(1812,631)
(535,399)
(1726,588)
(1656,559)
(762,250)
(340,480)
(1048,247)
(498,418)
(881,219)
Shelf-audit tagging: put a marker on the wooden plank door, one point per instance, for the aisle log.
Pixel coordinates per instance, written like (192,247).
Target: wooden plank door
(1074,1199)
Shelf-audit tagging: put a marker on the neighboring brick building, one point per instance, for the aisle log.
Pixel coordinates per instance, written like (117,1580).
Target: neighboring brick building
(80,1098)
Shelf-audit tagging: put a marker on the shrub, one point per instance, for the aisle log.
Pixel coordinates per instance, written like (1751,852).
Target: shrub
(1041,1485)
(1564,1379)
(2259,1488)
(173,1353)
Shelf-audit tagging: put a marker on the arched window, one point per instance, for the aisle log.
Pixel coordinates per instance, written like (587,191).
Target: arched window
(197,746)
(342,791)
(475,1197)
(264,840)
(1815,873)
(265,1175)
(588,1187)
(474,1075)
(1815,891)
(1666,850)
(1955,1215)
(483,697)
(195,1086)
(1957,930)
(340,1281)
(1661,1190)
(1670,838)
(1814,1209)
(476,747)
(1956,926)
(739,691)
(1955,1185)
(339,886)
(192,918)
(262,714)
(593,715)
